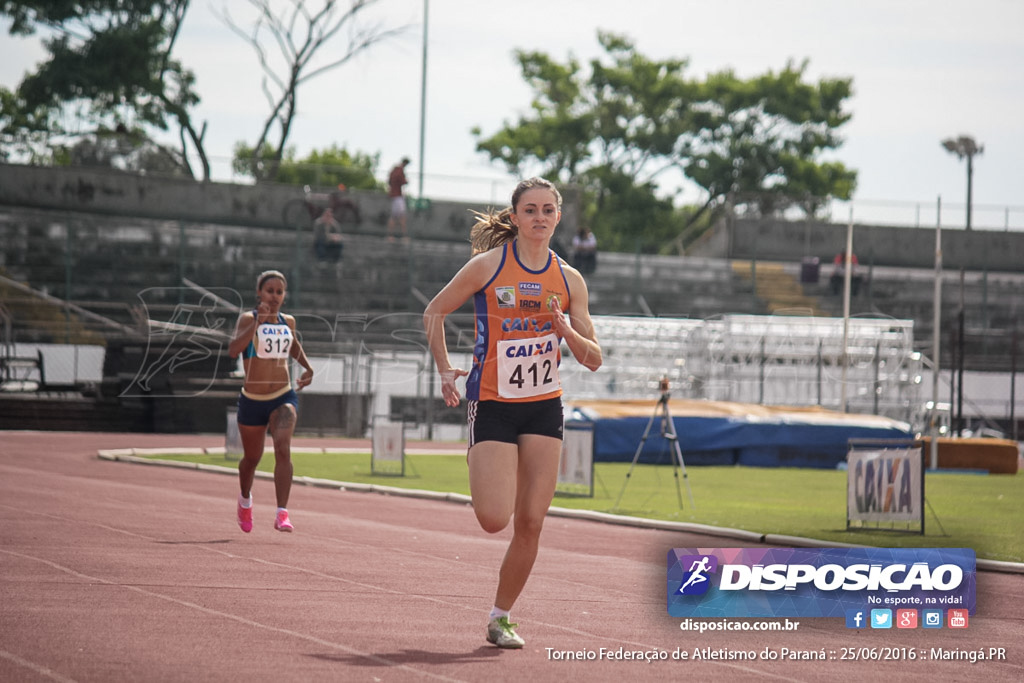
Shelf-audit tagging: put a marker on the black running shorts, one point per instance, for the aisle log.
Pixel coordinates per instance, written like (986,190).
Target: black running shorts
(505,422)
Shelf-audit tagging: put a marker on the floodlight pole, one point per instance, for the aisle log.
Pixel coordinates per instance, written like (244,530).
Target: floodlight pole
(1013,381)
(960,359)
(963,147)
(846,308)
(970,188)
(936,327)
(423,102)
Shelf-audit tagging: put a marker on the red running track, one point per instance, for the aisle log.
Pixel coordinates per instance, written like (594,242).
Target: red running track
(120,572)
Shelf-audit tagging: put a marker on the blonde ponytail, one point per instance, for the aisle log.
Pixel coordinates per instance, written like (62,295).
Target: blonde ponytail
(492,229)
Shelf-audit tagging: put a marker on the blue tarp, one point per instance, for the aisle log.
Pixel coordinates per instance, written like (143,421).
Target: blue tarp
(734,441)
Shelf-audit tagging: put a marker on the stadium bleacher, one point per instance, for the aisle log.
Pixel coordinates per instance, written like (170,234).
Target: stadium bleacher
(122,272)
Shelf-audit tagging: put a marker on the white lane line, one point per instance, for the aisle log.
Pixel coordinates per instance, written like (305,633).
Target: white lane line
(38,668)
(242,620)
(381,589)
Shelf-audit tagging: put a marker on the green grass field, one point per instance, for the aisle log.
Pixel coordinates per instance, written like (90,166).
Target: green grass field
(966,510)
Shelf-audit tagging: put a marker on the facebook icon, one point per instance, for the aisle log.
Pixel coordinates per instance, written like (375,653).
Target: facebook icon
(855,618)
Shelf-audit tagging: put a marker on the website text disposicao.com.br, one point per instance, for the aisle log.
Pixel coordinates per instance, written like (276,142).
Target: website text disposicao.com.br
(703,625)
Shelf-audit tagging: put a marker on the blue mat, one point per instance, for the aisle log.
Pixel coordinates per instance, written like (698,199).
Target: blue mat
(732,440)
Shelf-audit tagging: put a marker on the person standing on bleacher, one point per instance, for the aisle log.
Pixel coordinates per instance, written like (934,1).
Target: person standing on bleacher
(839,271)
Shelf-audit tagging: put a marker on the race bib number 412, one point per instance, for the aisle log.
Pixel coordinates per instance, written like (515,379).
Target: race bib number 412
(528,367)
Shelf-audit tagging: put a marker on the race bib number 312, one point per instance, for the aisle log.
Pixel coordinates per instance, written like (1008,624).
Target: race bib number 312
(528,367)
(273,341)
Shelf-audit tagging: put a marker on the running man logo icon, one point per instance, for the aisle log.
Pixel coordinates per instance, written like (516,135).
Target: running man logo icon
(696,581)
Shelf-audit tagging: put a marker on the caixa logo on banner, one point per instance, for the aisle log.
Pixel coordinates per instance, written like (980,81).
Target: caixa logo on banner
(819,582)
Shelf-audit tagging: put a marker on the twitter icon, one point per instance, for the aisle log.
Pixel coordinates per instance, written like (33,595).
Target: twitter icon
(881,618)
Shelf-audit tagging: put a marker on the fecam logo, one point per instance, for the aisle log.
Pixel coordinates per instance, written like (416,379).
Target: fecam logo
(696,580)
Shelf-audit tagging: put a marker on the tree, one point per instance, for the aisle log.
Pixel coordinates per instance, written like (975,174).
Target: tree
(633,124)
(760,139)
(614,198)
(109,70)
(329,167)
(300,36)
(125,150)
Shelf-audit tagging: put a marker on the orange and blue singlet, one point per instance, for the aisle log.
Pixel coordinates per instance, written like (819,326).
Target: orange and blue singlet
(516,354)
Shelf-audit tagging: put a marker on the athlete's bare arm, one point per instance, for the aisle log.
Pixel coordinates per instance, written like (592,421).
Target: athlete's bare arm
(243,334)
(469,280)
(578,331)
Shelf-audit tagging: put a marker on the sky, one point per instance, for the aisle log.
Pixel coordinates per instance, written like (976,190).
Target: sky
(923,71)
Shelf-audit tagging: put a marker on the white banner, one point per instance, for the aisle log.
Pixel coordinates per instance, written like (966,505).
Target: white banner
(233,449)
(576,469)
(884,485)
(388,442)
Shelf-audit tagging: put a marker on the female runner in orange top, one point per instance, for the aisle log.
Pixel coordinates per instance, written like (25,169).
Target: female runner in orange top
(521,292)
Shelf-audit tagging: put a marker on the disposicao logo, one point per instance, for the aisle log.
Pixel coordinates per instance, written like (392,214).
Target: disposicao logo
(696,580)
(818,582)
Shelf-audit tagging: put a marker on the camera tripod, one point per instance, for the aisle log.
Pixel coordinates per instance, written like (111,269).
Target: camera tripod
(668,432)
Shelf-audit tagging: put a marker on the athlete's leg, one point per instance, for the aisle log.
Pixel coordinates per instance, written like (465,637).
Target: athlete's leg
(253,438)
(536,477)
(492,483)
(282,426)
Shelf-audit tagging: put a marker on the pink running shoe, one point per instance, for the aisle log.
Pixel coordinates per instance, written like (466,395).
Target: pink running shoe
(282,523)
(245,518)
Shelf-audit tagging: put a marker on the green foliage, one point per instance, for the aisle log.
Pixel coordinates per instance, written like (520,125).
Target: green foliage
(613,199)
(760,140)
(121,149)
(109,69)
(329,167)
(634,124)
(558,135)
